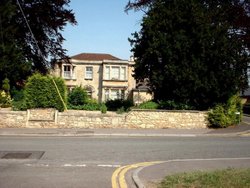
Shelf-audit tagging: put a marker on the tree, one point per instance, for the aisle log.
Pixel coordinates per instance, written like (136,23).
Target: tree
(238,14)
(20,53)
(190,53)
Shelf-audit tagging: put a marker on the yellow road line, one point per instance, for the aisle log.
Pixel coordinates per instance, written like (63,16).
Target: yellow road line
(114,177)
(119,174)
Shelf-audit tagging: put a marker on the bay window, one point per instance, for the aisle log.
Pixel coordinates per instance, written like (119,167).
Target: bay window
(115,72)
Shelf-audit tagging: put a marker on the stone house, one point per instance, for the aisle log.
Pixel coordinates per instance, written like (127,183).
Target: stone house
(104,76)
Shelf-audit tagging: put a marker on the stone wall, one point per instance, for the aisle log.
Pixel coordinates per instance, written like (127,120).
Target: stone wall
(90,119)
(12,119)
(166,119)
(50,118)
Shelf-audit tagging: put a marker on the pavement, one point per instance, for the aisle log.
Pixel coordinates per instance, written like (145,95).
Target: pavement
(152,175)
(239,130)
(148,175)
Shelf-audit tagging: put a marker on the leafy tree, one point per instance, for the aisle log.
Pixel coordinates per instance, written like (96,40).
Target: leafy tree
(190,53)
(12,61)
(20,54)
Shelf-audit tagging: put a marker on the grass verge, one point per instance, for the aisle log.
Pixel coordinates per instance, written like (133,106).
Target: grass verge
(233,178)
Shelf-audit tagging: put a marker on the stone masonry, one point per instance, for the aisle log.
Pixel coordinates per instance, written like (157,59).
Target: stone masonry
(155,119)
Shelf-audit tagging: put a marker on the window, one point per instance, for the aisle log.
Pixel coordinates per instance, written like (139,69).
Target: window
(115,73)
(89,73)
(89,89)
(106,94)
(112,94)
(68,72)
(107,72)
(123,73)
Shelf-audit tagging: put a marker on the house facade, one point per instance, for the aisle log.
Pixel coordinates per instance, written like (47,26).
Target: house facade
(104,76)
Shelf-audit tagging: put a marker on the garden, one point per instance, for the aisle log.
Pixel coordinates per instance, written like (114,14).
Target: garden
(50,92)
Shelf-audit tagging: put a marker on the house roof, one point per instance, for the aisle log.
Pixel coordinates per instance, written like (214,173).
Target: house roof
(94,57)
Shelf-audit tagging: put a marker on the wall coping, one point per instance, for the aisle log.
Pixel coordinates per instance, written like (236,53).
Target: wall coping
(12,112)
(175,111)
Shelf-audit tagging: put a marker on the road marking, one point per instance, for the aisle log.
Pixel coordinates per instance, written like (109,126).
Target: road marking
(109,166)
(74,165)
(37,165)
(114,177)
(118,177)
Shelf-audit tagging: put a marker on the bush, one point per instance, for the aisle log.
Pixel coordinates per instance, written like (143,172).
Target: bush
(40,92)
(172,105)
(6,85)
(120,110)
(89,107)
(218,117)
(222,116)
(148,105)
(78,96)
(114,105)
(5,99)
(235,109)
(103,108)
(19,105)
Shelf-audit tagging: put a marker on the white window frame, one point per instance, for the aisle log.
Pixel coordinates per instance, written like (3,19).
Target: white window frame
(68,72)
(107,72)
(115,73)
(89,73)
(109,94)
(122,72)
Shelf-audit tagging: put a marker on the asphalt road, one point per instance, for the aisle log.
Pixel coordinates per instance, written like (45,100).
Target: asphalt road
(89,162)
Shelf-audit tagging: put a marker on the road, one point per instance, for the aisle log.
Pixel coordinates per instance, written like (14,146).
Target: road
(89,162)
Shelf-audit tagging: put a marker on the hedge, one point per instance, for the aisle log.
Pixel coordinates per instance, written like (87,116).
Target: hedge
(40,92)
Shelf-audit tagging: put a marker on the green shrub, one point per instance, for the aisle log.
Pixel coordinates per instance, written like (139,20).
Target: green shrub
(18,102)
(218,117)
(148,105)
(222,116)
(5,99)
(6,85)
(114,105)
(103,109)
(17,95)
(40,92)
(120,110)
(78,96)
(235,109)
(19,105)
(88,106)
(172,105)
(91,106)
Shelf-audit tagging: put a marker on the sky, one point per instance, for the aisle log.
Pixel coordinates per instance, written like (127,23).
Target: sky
(103,27)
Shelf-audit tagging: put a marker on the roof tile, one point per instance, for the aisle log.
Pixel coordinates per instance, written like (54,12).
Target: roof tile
(94,57)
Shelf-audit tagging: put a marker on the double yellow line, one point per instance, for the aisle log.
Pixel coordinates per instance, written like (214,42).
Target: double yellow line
(118,177)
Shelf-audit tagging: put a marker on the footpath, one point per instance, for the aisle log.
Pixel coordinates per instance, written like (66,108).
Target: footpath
(242,129)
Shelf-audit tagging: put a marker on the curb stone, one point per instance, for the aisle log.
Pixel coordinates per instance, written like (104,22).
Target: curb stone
(136,179)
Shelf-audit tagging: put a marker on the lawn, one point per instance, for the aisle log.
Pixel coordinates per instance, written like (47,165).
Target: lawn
(233,178)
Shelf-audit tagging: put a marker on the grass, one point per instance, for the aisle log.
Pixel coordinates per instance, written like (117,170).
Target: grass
(229,178)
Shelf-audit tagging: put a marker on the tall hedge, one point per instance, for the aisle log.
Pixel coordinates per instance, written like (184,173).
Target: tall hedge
(40,92)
